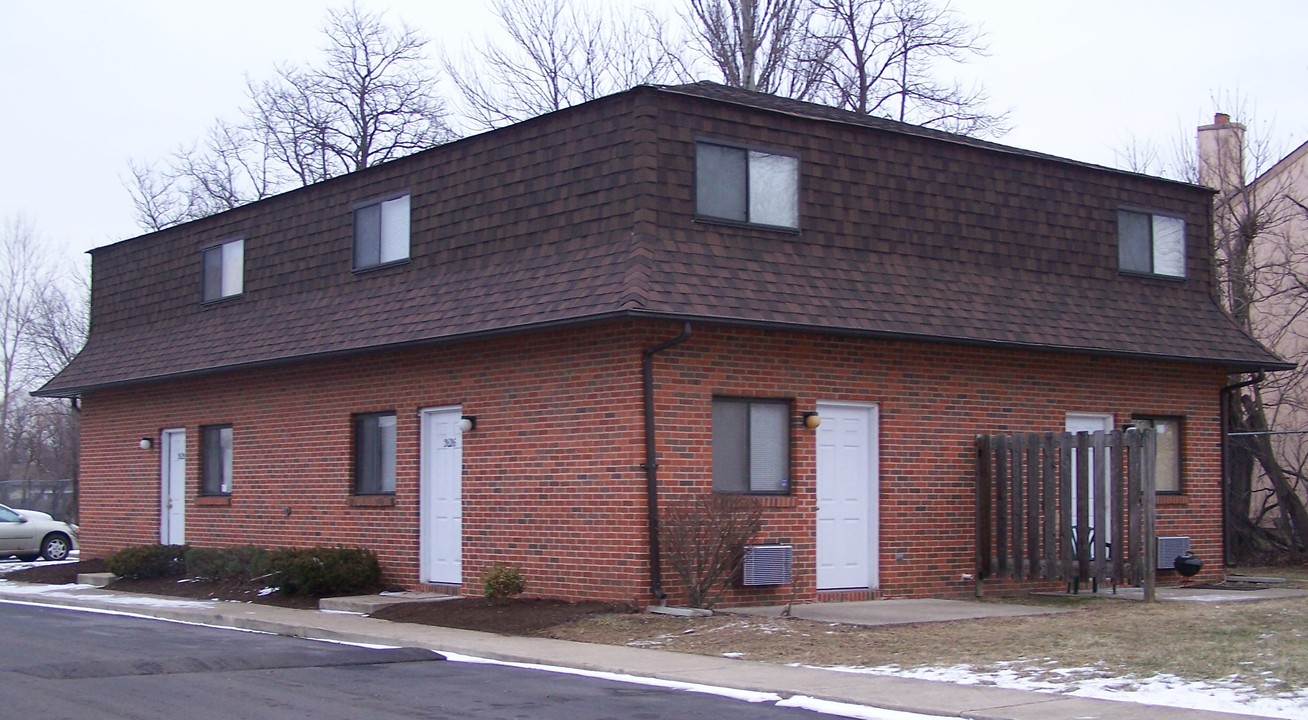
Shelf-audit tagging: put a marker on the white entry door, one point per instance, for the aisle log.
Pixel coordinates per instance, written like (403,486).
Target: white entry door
(1091,423)
(848,513)
(441,521)
(172,495)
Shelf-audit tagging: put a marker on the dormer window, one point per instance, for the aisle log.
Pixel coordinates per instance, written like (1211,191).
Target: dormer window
(381,233)
(1150,244)
(224,270)
(746,186)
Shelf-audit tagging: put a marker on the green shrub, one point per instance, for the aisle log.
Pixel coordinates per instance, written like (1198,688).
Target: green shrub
(324,571)
(241,563)
(144,562)
(502,582)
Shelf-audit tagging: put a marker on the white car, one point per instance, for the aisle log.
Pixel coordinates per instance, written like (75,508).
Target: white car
(28,534)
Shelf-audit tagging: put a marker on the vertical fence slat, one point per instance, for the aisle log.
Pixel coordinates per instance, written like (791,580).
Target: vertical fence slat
(1135,506)
(1099,491)
(984,487)
(1033,506)
(1019,505)
(1066,543)
(1082,533)
(1001,504)
(1118,497)
(1050,509)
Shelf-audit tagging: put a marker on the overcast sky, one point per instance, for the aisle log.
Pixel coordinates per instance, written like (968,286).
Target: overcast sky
(84,86)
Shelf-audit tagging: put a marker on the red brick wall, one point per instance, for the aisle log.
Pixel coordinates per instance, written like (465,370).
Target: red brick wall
(552,478)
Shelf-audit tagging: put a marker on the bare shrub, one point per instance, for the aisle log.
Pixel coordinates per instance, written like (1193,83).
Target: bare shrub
(704,536)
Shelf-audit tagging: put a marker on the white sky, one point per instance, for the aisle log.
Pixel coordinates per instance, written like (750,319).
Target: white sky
(84,86)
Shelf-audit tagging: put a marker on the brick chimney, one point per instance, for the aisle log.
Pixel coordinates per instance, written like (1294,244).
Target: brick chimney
(1221,155)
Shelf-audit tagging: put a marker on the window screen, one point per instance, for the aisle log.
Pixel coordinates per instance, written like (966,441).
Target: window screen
(751,446)
(216,462)
(1153,244)
(1167,457)
(381,233)
(374,454)
(746,185)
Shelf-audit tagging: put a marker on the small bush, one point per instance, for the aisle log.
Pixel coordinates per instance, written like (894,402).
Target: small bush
(502,582)
(144,562)
(240,563)
(324,571)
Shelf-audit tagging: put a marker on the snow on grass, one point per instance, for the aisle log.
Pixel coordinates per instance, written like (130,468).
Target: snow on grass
(1229,694)
(14,565)
(80,592)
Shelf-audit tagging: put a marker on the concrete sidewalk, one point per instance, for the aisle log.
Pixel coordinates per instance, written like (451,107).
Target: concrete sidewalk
(919,696)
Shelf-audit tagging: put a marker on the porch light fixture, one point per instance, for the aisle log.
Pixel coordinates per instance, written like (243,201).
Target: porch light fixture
(811,420)
(146,443)
(467,423)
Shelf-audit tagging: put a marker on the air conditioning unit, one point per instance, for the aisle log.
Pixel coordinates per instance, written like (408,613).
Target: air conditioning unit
(767,565)
(1169,547)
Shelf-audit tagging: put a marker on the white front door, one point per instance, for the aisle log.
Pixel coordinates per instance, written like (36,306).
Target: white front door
(441,521)
(172,511)
(848,505)
(1091,423)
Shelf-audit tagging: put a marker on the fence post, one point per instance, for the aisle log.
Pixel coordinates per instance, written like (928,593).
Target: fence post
(983,494)
(1147,486)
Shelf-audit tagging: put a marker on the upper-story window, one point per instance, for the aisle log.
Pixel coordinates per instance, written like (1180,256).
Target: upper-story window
(224,270)
(381,233)
(746,186)
(1151,244)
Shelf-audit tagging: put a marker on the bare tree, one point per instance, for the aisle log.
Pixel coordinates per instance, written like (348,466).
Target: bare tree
(763,45)
(371,98)
(885,60)
(557,54)
(1260,263)
(24,277)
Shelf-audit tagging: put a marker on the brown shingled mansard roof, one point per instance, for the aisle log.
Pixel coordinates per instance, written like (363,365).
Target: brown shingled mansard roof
(613,267)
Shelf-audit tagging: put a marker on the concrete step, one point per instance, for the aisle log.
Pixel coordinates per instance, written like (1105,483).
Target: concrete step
(365,604)
(96,579)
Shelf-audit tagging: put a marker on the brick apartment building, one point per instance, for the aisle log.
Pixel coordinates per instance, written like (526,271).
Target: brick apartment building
(447,358)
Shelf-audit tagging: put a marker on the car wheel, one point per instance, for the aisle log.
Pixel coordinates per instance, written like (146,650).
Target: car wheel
(55,546)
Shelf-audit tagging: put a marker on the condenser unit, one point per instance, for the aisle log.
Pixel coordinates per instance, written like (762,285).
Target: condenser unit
(767,565)
(1169,547)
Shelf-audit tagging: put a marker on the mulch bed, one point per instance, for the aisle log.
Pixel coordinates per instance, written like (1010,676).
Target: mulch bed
(515,616)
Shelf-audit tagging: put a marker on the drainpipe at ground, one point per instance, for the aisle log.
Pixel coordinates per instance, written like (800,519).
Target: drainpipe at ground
(651,465)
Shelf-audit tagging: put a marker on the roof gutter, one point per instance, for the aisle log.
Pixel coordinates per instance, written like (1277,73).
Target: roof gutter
(651,465)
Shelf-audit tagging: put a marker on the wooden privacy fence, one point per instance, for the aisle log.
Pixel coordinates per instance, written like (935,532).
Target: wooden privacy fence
(1042,498)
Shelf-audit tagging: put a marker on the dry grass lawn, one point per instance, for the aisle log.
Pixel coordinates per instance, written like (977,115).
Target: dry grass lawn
(1261,643)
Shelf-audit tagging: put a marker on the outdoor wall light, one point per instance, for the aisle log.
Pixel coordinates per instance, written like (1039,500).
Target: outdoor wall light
(811,420)
(146,443)
(467,423)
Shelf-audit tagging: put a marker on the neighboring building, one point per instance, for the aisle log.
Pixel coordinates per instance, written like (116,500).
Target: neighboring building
(297,371)
(1268,214)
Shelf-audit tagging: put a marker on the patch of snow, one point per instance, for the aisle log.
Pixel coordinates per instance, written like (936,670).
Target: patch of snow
(13,564)
(69,592)
(264,592)
(733,655)
(1226,695)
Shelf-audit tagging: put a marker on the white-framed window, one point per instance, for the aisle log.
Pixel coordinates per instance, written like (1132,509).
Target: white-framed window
(224,270)
(746,186)
(216,460)
(751,446)
(1167,456)
(374,453)
(1150,244)
(381,233)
